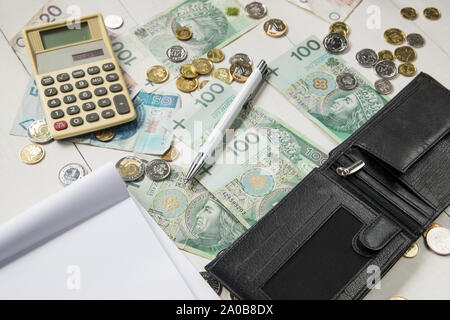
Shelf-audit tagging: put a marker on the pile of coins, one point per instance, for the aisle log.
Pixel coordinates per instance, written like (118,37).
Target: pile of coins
(437,239)
(336,41)
(429,13)
(39,135)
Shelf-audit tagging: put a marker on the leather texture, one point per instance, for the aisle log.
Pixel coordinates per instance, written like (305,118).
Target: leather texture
(324,237)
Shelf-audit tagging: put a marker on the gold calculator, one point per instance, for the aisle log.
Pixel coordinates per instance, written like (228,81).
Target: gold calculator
(79,80)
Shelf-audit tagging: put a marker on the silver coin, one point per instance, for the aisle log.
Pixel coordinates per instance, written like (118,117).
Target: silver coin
(176,54)
(386,69)
(71,173)
(241,57)
(415,40)
(346,81)
(384,86)
(113,21)
(133,163)
(335,43)
(38,132)
(213,283)
(438,240)
(157,170)
(367,58)
(255,10)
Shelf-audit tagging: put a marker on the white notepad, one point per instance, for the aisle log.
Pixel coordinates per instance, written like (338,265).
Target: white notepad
(92,240)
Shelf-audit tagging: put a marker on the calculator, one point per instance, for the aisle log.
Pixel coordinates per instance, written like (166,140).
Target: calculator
(79,80)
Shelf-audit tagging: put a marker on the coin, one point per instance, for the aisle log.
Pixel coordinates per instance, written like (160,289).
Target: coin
(176,54)
(412,252)
(438,240)
(409,13)
(367,58)
(398,298)
(405,54)
(105,135)
(335,43)
(38,132)
(215,55)
(407,69)
(157,74)
(171,155)
(415,40)
(386,55)
(386,69)
(340,27)
(71,173)
(130,168)
(432,13)
(255,10)
(187,71)
(202,84)
(186,85)
(32,154)
(213,283)
(384,86)
(223,74)
(202,66)
(241,57)
(183,33)
(157,170)
(394,36)
(346,81)
(113,21)
(275,28)
(241,71)
(433,225)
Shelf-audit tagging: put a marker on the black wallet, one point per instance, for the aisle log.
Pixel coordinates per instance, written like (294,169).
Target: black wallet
(359,212)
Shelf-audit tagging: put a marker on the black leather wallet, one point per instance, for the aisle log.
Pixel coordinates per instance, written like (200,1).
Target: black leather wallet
(359,212)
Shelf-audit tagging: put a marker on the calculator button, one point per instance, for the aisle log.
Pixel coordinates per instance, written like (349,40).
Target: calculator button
(73,110)
(70,99)
(121,104)
(57,114)
(112,77)
(60,125)
(46,81)
(66,88)
(78,74)
(76,121)
(50,92)
(108,114)
(93,70)
(63,77)
(100,91)
(88,106)
(81,84)
(92,117)
(85,95)
(53,103)
(104,102)
(97,81)
(116,87)
(108,67)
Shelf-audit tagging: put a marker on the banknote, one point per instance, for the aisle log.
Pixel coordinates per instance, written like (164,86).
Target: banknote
(188,213)
(328,10)
(306,76)
(147,134)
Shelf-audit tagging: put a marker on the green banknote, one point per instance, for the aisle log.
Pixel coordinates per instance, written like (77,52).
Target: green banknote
(306,76)
(189,214)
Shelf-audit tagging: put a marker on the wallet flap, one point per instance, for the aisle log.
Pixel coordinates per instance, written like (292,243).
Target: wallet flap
(376,236)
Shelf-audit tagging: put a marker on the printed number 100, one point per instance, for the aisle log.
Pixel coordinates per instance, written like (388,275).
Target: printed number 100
(311,45)
(209,96)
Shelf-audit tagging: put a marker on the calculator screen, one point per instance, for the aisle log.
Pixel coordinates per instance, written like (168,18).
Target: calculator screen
(66,35)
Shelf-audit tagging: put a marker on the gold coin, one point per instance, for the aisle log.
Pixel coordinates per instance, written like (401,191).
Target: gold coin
(171,155)
(340,27)
(183,33)
(275,28)
(202,66)
(215,55)
(241,71)
(32,154)
(105,135)
(203,84)
(412,251)
(432,226)
(188,72)
(386,55)
(223,74)
(157,74)
(397,298)
(394,36)
(186,85)
(409,13)
(405,54)
(407,69)
(432,13)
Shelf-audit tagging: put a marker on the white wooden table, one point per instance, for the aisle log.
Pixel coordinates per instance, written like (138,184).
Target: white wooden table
(425,277)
